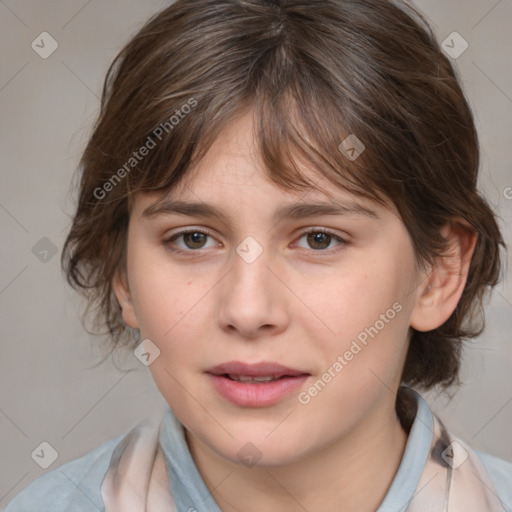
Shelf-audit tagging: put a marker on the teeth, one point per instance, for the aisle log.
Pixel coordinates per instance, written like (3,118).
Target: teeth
(246,378)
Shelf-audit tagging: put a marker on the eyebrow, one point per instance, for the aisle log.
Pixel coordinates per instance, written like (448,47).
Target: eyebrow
(294,211)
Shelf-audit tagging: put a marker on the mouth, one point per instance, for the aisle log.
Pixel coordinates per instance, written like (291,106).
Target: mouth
(259,372)
(254,379)
(255,385)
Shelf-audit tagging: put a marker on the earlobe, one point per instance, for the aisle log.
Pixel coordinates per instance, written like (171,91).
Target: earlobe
(441,291)
(122,292)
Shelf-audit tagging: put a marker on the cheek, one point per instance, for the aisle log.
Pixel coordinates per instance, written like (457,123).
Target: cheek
(363,319)
(172,308)
(166,297)
(344,303)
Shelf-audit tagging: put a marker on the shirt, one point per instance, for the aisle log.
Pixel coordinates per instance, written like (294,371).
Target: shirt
(76,485)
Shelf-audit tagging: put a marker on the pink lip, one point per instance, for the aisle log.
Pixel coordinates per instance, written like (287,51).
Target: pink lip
(250,394)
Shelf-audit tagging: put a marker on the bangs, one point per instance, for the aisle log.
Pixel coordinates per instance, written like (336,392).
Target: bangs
(295,127)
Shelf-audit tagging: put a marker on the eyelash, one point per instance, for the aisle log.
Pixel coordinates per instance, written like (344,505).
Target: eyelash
(168,242)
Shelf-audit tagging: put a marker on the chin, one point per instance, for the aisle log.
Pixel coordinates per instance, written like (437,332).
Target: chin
(255,448)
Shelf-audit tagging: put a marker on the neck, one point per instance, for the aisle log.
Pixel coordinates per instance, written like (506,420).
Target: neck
(353,474)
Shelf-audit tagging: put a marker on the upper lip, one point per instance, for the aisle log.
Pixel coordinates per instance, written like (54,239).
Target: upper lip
(254,369)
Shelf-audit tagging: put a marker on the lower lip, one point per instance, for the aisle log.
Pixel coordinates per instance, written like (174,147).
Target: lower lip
(258,394)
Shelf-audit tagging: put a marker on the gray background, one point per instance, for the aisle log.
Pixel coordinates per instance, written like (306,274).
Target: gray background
(49,388)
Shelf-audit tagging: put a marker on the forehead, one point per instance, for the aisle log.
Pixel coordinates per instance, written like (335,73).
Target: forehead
(232,172)
(209,197)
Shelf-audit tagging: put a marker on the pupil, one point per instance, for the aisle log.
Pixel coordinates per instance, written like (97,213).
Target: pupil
(319,238)
(196,238)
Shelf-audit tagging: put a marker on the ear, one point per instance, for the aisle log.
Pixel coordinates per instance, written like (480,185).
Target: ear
(440,292)
(122,292)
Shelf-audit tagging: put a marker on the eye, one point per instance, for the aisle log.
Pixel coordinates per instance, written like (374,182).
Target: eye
(193,239)
(321,239)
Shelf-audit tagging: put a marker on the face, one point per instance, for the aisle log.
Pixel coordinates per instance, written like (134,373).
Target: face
(279,335)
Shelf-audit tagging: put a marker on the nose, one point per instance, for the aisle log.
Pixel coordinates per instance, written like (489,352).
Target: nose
(252,299)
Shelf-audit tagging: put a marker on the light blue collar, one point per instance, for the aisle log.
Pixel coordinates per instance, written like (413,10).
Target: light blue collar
(414,460)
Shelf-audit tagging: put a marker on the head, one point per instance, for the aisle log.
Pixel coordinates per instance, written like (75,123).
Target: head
(250,107)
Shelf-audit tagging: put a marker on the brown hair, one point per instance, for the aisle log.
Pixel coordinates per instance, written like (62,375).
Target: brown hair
(313,73)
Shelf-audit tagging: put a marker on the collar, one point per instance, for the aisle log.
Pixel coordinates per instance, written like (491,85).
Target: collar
(152,469)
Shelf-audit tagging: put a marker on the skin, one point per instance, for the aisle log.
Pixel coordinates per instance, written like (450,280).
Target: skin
(298,304)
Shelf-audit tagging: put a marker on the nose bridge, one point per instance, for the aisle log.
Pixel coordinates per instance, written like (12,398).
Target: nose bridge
(250,298)
(250,273)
